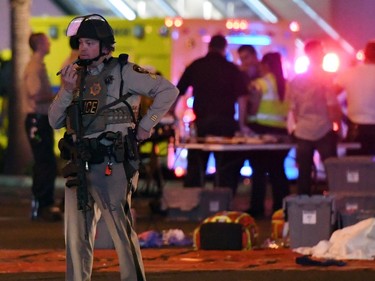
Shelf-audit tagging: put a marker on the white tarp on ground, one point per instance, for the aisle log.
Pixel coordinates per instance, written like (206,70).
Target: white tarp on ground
(355,242)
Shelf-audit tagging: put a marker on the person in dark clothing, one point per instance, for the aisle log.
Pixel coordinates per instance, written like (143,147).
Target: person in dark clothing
(217,84)
(40,134)
(268,116)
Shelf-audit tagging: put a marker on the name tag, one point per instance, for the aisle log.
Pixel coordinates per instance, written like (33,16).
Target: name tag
(90,106)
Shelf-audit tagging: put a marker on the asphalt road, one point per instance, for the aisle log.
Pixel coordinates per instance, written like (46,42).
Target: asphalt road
(18,232)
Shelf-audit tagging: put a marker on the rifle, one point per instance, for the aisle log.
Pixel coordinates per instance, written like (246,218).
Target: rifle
(79,154)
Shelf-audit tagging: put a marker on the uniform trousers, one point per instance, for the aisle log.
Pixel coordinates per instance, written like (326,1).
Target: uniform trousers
(108,197)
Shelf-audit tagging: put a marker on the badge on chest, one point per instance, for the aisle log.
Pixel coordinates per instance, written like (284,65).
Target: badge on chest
(90,106)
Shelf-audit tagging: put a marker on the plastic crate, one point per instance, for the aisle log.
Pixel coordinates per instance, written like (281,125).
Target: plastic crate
(310,219)
(351,175)
(350,218)
(353,209)
(354,203)
(195,204)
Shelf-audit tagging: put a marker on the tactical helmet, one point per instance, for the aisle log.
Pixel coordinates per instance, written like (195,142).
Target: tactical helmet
(91,26)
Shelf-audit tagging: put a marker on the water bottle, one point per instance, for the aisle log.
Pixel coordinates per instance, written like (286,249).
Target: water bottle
(193,132)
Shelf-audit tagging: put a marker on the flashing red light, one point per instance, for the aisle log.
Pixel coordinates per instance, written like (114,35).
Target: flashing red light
(336,127)
(168,22)
(294,26)
(360,55)
(331,62)
(179,172)
(178,22)
(301,65)
(189,115)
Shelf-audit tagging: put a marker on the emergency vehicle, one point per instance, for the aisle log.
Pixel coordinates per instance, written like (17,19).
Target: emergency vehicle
(168,45)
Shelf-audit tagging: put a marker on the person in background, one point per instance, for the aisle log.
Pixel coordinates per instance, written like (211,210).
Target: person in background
(359,85)
(6,88)
(39,133)
(115,86)
(269,118)
(315,108)
(217,84)
(250,68)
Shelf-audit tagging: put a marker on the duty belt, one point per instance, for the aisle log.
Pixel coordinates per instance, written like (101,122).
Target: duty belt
(108,144)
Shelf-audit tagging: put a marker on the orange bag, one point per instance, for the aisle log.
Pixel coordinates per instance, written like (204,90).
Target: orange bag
(219,224)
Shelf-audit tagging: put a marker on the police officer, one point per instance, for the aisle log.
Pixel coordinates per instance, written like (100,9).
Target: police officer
(107,79)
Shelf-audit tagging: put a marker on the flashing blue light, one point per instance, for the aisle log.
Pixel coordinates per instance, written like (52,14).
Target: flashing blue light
(246,170)
(190,102)
(257,40)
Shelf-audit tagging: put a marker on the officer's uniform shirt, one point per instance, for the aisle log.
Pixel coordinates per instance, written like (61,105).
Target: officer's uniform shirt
(137,81)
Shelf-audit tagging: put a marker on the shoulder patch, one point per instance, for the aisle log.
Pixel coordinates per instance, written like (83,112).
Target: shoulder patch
(139,69)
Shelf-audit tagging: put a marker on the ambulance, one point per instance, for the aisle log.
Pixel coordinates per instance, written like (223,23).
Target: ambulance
(168,45)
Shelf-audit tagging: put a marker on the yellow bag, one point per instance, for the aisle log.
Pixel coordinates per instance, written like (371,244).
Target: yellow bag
(226,230)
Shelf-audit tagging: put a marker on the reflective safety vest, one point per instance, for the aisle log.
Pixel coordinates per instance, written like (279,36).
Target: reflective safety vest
(272,112)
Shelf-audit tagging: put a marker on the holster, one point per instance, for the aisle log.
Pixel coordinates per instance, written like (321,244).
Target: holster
(70,170)
(132,159)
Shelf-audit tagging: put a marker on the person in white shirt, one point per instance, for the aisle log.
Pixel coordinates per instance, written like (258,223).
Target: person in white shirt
(359,84)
